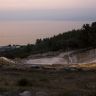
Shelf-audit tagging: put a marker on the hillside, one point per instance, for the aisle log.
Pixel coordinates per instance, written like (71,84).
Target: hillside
(83,38)
(71,57)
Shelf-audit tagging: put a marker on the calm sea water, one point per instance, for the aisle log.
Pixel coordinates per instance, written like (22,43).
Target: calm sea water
(24,32)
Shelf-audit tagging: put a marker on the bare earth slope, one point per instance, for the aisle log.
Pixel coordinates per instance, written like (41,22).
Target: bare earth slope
(71,57)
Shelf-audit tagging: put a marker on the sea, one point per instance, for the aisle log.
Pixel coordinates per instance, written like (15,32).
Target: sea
(26,32)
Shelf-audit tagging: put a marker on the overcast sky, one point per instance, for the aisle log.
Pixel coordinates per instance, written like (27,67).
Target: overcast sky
(48,9)
(45,4)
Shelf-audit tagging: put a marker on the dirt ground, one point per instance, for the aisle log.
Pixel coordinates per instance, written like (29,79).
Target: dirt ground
(48,82)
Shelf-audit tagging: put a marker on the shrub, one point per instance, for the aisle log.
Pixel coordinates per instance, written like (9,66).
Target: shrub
(23,82)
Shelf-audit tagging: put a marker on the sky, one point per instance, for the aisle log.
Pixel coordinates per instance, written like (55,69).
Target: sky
(47,9)
(24,21)
(45,4)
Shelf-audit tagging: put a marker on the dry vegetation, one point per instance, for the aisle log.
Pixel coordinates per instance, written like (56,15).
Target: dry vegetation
(52,82)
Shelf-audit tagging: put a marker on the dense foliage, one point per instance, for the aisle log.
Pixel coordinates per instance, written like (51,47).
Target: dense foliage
(75,39)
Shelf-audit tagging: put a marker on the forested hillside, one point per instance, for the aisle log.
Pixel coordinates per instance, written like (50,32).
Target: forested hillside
(71,40)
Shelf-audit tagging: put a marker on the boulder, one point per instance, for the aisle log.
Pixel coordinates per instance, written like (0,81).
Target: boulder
(4,60)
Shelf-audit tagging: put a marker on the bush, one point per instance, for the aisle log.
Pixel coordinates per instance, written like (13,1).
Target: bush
(23,82)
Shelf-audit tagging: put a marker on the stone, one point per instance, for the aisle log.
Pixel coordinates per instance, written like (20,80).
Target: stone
(25,93)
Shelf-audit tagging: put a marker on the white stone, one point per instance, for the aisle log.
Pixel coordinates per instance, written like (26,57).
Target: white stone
(25,93)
